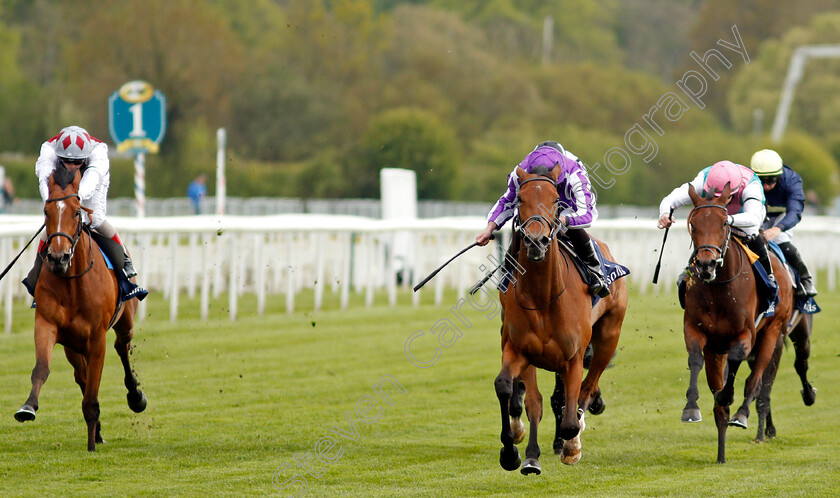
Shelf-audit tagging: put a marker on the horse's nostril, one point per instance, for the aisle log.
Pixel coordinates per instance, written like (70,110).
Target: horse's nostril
(544,241)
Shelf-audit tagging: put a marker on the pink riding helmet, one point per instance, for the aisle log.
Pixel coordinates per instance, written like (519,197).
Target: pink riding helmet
(723,172)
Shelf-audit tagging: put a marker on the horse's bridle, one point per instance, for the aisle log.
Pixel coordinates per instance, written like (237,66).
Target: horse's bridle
(721,250)
(74,239)
(554,226)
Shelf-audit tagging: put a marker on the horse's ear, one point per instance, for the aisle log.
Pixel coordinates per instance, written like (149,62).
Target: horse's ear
(520,173)
(555,172)
(724,196)
(695,197)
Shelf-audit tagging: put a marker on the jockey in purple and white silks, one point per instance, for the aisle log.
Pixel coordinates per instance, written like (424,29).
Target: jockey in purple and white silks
(76,150)
(576,200)
(745,207)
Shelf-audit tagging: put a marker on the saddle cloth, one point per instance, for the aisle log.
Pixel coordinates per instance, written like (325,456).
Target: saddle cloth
(611,270)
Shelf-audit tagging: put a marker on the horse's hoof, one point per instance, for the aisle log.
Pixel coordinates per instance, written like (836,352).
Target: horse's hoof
(597,407)
(770,432)
(531,466)
(511,461)
(137,403)
(738,421)
(558,446)
(25,413)
(691,415)
(809,396)
(518,430)
(569,456)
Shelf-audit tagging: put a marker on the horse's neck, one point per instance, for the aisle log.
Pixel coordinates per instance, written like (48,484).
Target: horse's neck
(544,280)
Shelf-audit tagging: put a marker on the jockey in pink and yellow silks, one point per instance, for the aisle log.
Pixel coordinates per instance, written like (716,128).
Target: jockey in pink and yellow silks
(745,207)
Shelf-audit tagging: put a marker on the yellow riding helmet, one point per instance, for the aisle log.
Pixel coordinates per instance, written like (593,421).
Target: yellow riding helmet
(766,162)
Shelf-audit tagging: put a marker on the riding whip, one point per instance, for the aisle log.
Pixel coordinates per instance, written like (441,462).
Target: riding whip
(21,252)
(664,238)
(431,275)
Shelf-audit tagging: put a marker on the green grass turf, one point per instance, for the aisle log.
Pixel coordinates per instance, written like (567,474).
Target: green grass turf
(230,403)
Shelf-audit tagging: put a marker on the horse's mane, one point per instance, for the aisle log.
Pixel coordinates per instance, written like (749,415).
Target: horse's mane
(63,177)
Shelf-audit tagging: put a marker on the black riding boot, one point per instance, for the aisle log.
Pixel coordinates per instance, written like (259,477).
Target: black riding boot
(758,245)
(32,277)
(116,253)
(128,266)
(807,289)
(583,246)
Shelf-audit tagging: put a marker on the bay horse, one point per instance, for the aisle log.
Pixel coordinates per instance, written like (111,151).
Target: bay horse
(76,303)
(721,307)
(547,322)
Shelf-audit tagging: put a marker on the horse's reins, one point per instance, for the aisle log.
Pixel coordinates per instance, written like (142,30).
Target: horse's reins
(554,226)
(74,239)
(720,249)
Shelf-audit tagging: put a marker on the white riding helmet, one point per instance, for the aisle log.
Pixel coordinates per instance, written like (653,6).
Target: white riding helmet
(73,143)
(766,162)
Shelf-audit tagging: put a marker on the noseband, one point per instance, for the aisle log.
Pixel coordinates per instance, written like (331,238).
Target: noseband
(554,226)
(74,239)
(721,250)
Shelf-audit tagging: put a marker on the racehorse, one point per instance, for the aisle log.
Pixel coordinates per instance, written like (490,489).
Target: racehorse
(721,307)
(77,302)
(799,332)
(548,321)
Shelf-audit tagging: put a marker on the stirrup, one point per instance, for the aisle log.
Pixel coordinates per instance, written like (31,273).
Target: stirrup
(128,269)
(599,285)
(807,287)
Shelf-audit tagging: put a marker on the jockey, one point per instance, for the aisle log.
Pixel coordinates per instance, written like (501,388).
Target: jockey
(785,201)
(745,207)
(576,200)
(74,149)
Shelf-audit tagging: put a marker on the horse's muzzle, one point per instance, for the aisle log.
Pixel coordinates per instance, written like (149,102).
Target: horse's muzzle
(58,263)
(706,270)
(536,249)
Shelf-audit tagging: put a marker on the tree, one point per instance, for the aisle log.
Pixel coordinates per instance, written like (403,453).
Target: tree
(816,108)
(187,50)
(406,138)
(757,20)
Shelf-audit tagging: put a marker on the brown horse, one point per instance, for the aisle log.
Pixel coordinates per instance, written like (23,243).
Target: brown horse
(721,307)
(76,298)
(548,321)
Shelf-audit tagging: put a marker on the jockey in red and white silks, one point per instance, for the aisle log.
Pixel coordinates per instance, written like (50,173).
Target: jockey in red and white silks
(96,177)
(74,149)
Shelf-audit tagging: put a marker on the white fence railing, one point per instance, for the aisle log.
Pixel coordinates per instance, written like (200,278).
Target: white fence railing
(275,257)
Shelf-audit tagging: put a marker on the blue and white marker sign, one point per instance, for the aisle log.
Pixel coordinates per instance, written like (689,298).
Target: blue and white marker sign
(137,117)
